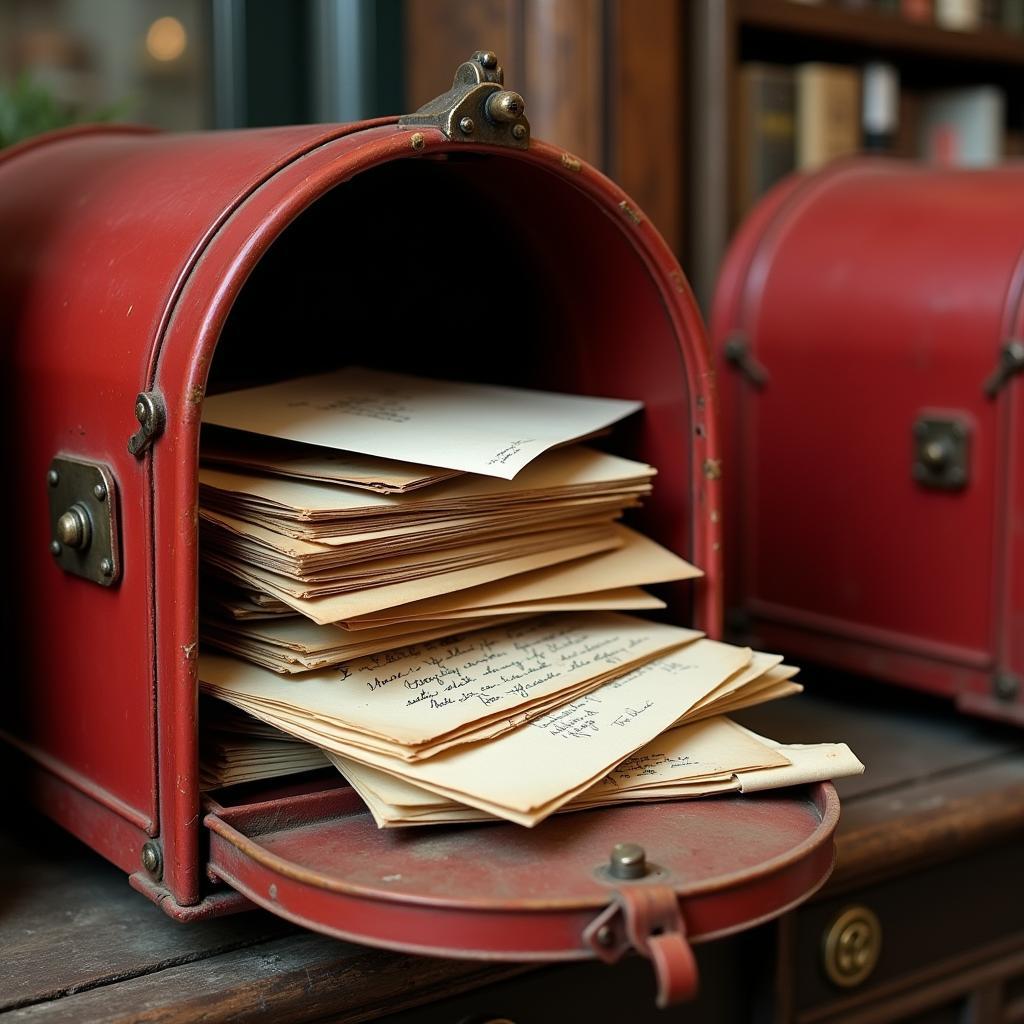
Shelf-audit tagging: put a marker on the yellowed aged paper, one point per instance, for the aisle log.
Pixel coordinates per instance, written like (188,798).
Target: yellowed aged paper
(258,453)
(710,758)
(714,749)
(568,472)
(634,561)
(476,428)
(417,695)
(527,774)
(436,532)
(353,574)
(373,599)
(808,762)
(289,659)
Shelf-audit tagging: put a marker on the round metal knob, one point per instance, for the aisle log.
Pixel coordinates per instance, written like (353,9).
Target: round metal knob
(73,528)
(152,859)
(505,106)
(627,861)
(852,946)
(936,454)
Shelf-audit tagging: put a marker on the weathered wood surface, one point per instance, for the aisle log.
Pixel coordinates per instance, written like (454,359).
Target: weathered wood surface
(77,944)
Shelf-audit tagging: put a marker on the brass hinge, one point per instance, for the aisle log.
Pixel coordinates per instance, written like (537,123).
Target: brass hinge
(476,108)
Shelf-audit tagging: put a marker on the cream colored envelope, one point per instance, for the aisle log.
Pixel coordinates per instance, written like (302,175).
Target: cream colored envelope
(476,428)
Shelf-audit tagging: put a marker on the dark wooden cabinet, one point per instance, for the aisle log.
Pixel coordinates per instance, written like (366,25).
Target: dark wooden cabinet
(601,78)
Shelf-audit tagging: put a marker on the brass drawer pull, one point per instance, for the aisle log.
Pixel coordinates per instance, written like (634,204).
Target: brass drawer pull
(851,946)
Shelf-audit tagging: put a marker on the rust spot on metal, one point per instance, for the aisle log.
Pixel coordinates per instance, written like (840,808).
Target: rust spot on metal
(189,650)
(678,281)
(631,212)
(715,516)
(571,163)
(713,469)
(195,394)
(417,141)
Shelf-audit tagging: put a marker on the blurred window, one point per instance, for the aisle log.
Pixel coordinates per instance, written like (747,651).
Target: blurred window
(135,60)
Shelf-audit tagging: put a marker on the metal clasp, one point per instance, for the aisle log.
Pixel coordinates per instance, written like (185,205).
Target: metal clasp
(1011,361)
(647,918)
(942,451)
(476,108)
(85,536)
(737,352)
(151,413)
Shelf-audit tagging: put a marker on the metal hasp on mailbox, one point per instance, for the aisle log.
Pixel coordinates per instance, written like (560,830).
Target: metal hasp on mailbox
(876,498)
(141,270)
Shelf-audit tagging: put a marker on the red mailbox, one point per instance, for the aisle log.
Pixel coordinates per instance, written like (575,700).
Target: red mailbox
(140,270)
(869,324)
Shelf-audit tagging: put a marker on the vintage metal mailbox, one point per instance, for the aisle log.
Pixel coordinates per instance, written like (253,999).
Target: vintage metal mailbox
(138,271)
(869,325)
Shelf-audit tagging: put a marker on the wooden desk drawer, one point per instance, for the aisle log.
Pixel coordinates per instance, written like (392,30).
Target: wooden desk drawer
(625,992)
(934,924)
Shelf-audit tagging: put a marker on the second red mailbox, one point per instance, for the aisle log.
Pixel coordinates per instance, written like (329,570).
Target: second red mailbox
(870,321)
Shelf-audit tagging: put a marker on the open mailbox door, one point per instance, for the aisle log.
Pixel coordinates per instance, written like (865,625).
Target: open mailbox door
(651,878)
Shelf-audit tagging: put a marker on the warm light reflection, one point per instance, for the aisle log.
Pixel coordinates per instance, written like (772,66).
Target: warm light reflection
(166,39)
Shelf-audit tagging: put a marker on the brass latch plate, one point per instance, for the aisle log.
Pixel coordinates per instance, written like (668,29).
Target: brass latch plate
(942,451)
(85,534)
(476,108)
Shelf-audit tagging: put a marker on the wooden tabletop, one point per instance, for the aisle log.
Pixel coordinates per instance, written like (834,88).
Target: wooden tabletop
(80,945)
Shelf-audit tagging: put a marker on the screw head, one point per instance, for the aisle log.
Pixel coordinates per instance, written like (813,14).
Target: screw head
(519,132)
(628,860)
(417,141)
(466,126)
(141,411)
(53,478)
(935,453)
(100,492)
(152,860)
(106,567)
(487,59)
(55,548)
(604,937)
(1005,685)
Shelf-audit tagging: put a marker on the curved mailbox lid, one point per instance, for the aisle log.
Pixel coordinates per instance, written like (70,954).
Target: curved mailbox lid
(504,892)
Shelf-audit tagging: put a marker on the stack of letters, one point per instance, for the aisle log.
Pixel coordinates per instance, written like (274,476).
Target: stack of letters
(424,583)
